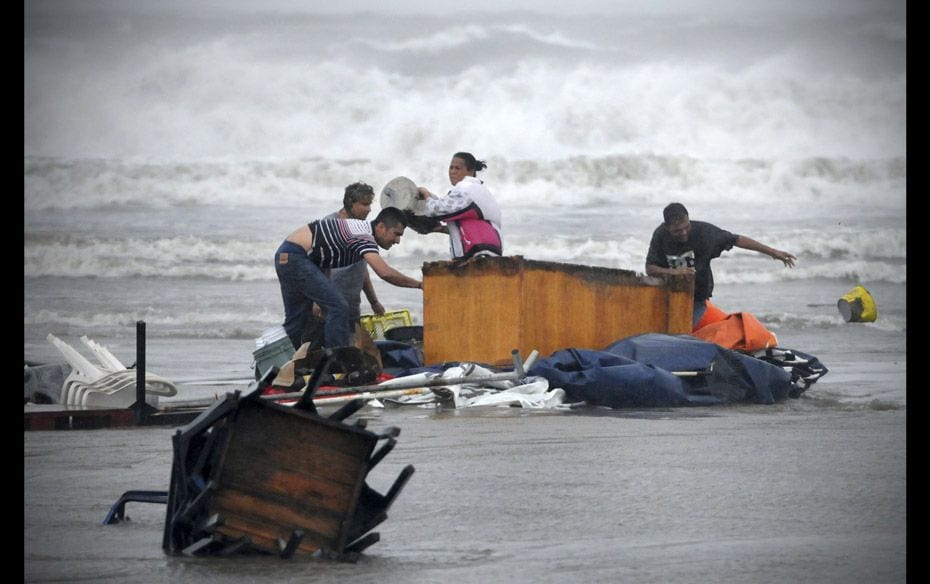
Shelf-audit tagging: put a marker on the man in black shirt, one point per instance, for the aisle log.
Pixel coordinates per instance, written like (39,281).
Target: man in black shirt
(681,246)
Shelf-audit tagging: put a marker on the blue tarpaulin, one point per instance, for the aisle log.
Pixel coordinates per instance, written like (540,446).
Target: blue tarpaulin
(665,371)
(659,370)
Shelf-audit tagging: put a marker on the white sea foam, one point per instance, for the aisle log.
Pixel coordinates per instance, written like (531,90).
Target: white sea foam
(161,258)
(521,90)
(864,259)
(857,271)
(469,34)
(831,189)
(194,323)
(795,321)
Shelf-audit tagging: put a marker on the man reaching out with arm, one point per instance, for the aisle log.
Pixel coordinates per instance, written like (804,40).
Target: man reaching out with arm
(680,246)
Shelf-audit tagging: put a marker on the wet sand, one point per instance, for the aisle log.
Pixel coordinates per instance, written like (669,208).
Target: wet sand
(799,491)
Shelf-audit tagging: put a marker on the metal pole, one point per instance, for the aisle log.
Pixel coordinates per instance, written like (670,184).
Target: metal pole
(139,406)
(400,383)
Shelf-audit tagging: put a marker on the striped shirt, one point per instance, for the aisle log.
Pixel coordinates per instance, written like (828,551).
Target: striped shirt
(338,243)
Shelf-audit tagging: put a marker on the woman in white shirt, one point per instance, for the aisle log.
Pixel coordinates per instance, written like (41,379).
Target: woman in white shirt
(471,215)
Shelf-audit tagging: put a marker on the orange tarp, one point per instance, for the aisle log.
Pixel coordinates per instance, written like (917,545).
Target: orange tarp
(740,331)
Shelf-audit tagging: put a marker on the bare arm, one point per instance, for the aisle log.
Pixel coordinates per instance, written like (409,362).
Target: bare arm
(389,274)
(369,290)
(753,245)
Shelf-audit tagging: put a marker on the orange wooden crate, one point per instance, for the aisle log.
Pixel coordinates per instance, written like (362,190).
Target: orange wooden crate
(482,309)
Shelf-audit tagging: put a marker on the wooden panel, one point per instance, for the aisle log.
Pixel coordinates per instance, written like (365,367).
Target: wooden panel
(482,309)
(465,311)
(284,469)
(572,310)
(680,305)
(264,522)
(310,487)
(294,445)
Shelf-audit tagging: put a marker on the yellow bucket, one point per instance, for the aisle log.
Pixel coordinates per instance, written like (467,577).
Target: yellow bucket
(857,305)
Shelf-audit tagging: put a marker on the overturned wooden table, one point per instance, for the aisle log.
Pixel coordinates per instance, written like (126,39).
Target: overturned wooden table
(250,475)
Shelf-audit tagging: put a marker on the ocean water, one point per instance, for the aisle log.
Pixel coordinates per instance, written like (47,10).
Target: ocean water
(169,148)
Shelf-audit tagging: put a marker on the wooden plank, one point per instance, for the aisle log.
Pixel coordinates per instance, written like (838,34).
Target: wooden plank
(282,514)
(680,302)
(459,305)
(269,446)
(310,490)
(285,470)
(265,522)
(290,465)
(265,537)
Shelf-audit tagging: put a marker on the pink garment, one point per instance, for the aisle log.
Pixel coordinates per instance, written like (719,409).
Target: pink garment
(473,217)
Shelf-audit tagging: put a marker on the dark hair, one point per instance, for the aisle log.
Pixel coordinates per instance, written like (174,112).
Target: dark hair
(470,162)
(355,192)
(391,217)
(674,212)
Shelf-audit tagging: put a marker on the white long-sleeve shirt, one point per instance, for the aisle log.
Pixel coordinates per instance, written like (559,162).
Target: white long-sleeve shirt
(472,216)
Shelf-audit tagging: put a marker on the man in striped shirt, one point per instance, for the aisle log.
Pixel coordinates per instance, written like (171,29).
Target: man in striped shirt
(304,259)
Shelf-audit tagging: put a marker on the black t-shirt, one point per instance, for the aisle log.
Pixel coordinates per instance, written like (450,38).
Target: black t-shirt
(705,242)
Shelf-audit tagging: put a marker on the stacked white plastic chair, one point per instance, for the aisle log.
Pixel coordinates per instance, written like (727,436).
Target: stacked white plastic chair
(109,384)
